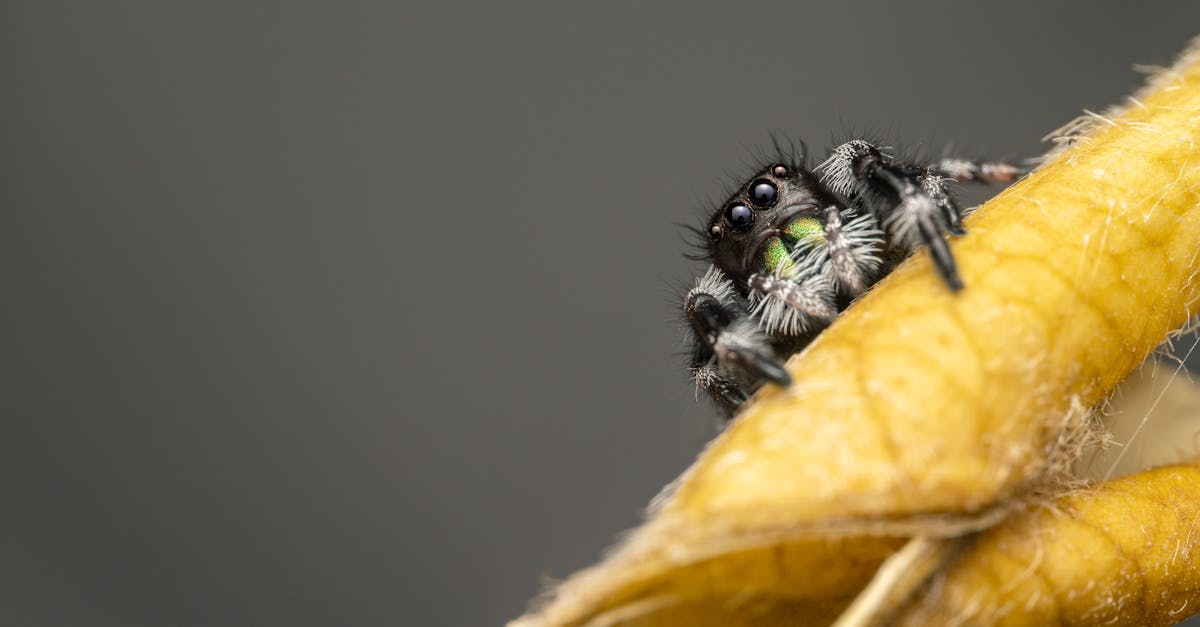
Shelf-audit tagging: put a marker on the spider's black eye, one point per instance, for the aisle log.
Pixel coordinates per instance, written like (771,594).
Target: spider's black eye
(763,193)
(739,217)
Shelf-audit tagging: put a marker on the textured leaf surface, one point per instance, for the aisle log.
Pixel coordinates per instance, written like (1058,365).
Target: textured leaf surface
(1126,553)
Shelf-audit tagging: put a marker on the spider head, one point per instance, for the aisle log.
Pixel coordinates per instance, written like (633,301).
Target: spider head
(768,217)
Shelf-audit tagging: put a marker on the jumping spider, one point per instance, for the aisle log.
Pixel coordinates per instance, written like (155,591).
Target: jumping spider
(792,247)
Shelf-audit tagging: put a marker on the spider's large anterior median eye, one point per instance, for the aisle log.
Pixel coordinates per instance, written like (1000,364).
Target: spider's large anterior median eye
(763,193)
(739,217)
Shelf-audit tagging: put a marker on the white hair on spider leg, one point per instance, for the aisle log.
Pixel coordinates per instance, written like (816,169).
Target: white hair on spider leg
(851,250)
(743,337)
(705,377)
(959,169)
(836,172)
(715,284)
(904,222)
(791,306)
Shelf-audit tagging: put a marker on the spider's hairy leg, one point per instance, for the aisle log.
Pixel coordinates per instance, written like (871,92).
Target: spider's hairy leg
(910,202)
(853,245)
(938,189)
(972,171)
(724,392)
(792,306)
(935,182)
(729,348)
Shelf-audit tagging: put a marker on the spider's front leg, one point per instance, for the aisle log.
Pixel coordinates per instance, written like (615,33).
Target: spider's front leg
(730,355)
(911,202)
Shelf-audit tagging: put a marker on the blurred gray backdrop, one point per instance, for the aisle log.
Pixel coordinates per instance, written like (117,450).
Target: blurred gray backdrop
(364,313)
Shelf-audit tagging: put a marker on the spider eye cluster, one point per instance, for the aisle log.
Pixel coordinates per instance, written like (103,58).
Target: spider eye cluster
(762,194)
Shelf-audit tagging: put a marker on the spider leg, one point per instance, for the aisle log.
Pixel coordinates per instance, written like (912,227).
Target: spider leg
(724,392)
(910,202)
(793,306)
(730,354)
(936,187)
(851,252)
(971,171)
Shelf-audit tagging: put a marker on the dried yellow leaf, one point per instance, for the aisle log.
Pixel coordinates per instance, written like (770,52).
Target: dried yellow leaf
(1126,553)
(923,412)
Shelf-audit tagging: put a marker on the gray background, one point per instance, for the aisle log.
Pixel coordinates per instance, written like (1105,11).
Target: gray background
(363,314)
